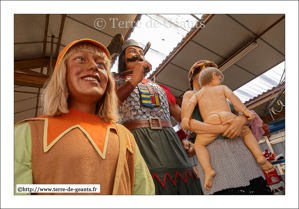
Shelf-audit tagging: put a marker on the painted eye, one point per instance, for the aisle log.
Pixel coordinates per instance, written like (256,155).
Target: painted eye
(101,65)
(80,58)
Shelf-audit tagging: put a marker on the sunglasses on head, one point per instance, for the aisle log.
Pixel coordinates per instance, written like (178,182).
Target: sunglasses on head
(200,64)
(205,63)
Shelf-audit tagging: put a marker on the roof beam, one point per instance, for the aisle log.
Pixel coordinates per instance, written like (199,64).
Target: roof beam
(51,58)
(45,35)
(268,118)
(179,48)
(270,27)
(247,45)
(26,92)
(132,26)
(31,72)
(24,110)
(264,98)
(33,63)
(60,34)
(44,53)
(29,80)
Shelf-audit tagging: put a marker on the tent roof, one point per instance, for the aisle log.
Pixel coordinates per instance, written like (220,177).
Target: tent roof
(222,36)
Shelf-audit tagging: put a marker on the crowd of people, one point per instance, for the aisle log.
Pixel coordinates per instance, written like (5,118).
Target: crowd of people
(117,132)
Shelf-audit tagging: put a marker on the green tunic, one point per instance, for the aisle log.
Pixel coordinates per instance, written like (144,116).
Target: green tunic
(167,161)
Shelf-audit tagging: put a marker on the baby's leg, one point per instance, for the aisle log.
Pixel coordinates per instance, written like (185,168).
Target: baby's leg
(202,140)
(252,144)
(204,157)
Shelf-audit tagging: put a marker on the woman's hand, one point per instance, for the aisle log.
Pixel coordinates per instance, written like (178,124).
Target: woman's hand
(235,127)
(189,148)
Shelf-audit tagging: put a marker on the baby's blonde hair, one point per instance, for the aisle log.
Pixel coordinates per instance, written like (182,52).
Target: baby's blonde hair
(206,75)
(55,94)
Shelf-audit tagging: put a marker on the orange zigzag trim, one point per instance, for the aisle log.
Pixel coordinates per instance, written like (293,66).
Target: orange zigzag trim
(176,175)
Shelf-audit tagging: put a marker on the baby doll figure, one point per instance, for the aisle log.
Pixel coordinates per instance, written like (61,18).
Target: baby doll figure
(215,110)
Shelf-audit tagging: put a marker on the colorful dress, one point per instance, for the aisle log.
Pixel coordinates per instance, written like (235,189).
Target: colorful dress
(162,150)
(77,148)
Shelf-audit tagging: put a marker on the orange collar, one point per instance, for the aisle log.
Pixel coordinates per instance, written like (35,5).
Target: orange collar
(95,128)
(93,124)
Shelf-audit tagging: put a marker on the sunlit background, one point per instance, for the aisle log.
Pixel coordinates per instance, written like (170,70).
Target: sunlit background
(166,31)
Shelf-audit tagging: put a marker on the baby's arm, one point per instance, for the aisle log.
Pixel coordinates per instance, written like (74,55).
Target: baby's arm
(237,103)
(188,112)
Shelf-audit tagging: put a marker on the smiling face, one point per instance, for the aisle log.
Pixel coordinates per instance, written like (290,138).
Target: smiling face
(131,52)
(86,77)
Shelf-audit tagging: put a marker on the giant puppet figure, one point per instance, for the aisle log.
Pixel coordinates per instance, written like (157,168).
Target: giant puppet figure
(77,140)
(214,108)
(238,173)
(145,109)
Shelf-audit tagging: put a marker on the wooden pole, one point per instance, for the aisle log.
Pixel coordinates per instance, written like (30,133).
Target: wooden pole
(44,53)
(51,58)
(60,34)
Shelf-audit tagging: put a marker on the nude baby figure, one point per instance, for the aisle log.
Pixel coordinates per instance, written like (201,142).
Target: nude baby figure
(215,110)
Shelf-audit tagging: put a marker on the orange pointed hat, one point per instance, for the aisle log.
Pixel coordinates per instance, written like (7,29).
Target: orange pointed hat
(198,64)
(66,49)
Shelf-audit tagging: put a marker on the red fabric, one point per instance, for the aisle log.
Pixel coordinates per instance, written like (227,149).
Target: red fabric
(267,130)
(272,177)
(144,81)
(176,175)
(268,155)
(256,126)
(181,134)
(171,99)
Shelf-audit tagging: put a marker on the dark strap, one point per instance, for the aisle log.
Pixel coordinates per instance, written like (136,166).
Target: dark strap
(121,156)
(153,124)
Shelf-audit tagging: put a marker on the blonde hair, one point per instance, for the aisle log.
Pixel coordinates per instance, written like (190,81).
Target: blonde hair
(206,75)
(55,94)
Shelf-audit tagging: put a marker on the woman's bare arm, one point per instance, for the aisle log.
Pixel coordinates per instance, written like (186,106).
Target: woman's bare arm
(237,102)
(187,96)
(175,112)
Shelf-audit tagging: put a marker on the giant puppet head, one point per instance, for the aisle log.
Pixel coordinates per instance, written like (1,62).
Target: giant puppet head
(196,68)
(131,52)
